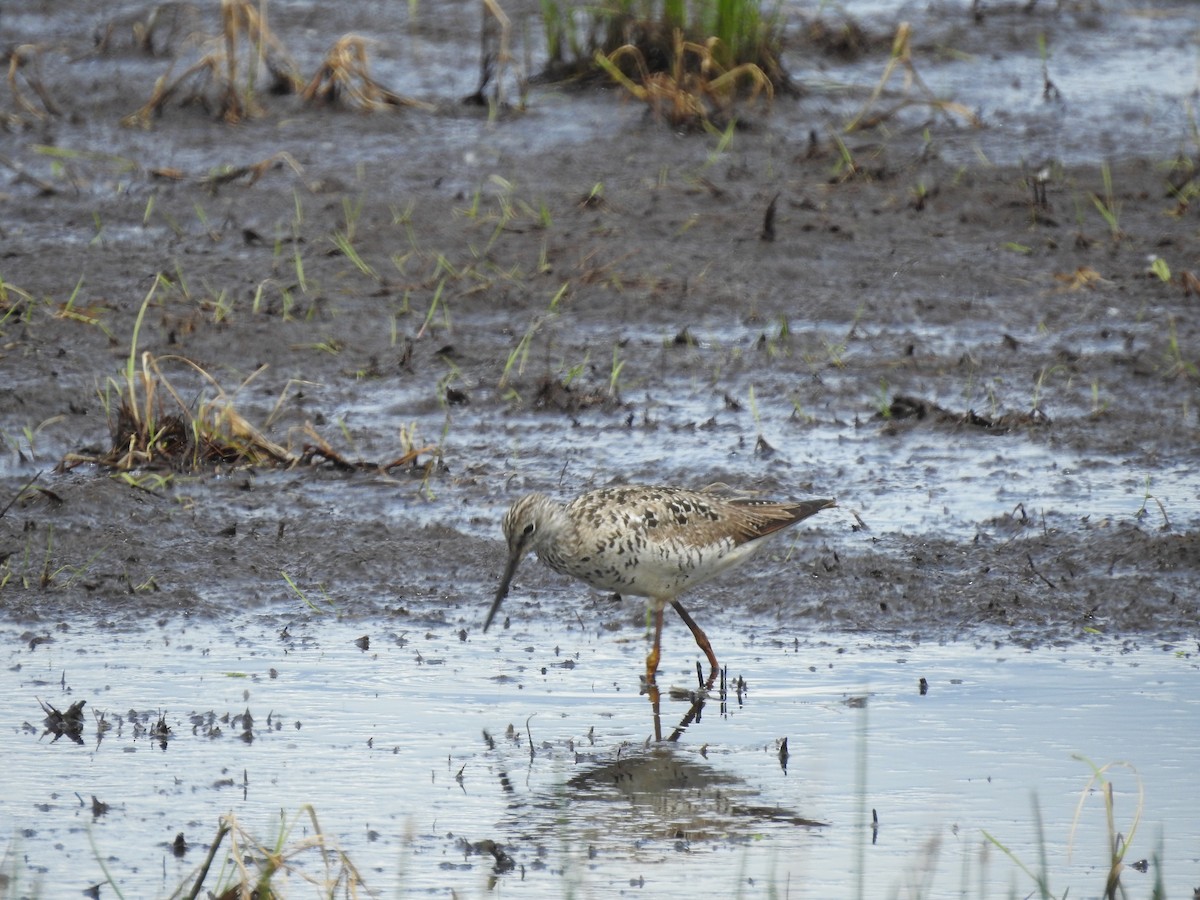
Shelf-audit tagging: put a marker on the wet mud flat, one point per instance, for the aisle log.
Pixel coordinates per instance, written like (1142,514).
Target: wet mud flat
(992,366)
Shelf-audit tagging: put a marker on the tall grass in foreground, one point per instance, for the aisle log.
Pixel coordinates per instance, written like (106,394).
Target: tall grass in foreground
(1118,842)
(916,879)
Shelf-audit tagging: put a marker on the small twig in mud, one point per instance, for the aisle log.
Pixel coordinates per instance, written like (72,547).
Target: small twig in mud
(311,452)
(17,496)
(254,170)
(408,458)
(1050,91)
(1034,569)
(768,229)
(1166,521)
(322,449)
(44,186)
(529,731)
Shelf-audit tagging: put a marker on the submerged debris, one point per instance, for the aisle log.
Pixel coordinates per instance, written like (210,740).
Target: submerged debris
(161,731)
(556,395)
(906,407)
(69,723)
(487,847)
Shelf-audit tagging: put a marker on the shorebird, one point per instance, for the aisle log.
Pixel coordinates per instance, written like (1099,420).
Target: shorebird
(653,542)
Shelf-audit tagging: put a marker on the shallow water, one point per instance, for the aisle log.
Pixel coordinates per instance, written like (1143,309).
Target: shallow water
(1123,75)
(374,740)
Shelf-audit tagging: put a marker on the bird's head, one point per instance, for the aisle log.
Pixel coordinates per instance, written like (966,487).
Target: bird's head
(525,527)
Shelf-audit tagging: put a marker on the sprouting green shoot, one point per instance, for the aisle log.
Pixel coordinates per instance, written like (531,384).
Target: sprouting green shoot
(883,401)
(615,375)
(342,242)
(1107,205)
(433,308)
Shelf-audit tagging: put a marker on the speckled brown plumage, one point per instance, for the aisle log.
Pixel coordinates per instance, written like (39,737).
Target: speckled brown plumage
(653,542)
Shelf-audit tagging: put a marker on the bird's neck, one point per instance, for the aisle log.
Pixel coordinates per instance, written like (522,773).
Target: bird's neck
(560,540)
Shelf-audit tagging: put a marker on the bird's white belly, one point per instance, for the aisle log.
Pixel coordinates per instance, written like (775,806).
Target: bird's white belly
(658,569)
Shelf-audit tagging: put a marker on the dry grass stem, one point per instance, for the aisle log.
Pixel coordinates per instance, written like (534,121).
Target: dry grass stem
(260,870)
(319,448)
(24,65)
(254,170)
(902,58)
(495,29)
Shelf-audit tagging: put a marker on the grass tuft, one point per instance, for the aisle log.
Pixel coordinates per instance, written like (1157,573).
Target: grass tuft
(153,428)
(740,31)
(224,80)
(696,91)
(344,79)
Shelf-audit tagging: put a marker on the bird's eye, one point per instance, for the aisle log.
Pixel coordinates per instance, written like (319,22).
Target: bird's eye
(529,529)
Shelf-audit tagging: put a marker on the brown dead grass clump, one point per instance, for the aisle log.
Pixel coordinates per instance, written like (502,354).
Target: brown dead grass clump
(224,80)
(344,79)
(25,74)
(300,856)
(153,428)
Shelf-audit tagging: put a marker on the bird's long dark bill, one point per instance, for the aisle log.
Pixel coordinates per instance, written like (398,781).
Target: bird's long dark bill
(806,508)
(509,571)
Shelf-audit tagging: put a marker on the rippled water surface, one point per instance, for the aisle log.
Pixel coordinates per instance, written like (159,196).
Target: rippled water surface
(416,749)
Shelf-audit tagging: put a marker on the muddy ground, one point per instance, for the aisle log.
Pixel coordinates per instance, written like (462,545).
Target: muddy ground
(916,301)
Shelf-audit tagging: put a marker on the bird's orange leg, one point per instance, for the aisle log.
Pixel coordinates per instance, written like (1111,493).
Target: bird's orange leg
(701,640)
(656,650)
